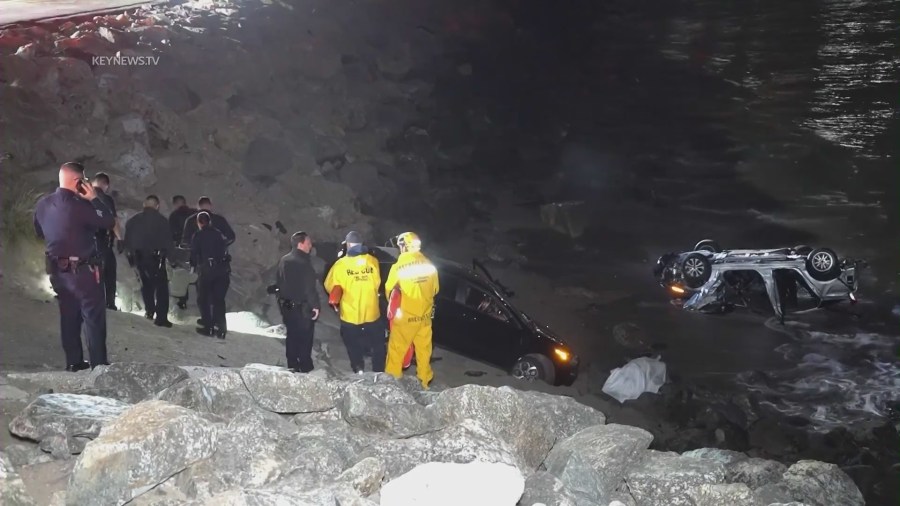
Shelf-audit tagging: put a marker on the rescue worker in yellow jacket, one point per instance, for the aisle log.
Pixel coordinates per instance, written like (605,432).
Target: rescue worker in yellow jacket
(411,324)
(357,277)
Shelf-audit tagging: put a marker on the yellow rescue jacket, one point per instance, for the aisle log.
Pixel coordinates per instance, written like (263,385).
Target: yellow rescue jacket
(359,277)
(418,280)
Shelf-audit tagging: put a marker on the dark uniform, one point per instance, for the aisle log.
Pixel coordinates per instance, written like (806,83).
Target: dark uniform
(68,224)
(177,220)
(297,297)
(218,221)
(210,259)
(105,246)
(148,241)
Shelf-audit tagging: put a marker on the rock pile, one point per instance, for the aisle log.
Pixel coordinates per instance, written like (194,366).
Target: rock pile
(261,435)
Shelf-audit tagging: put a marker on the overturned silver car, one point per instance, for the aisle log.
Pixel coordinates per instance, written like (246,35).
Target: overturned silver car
(713,280)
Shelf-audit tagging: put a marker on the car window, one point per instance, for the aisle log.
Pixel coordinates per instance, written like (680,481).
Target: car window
(448,286)
(484,303)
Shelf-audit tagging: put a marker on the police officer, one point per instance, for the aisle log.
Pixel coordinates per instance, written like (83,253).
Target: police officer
(359,278)
(147,241)
(177,220)
(210,259)
(179,217)
(218,221)
(106,241)
(298,299)
(67,220)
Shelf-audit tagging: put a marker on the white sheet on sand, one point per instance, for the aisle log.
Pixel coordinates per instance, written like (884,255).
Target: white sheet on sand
(641,375)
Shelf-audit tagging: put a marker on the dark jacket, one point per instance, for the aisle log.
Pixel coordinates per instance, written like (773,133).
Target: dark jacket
(68,223)
(105,236)
(177,219)
(147,231)
(207,244)
(218,221)
(296,279)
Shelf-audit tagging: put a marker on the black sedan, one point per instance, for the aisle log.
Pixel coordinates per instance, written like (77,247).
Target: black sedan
(473,316)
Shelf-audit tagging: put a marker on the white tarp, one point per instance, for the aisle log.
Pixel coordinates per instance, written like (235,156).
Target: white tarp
(641,375)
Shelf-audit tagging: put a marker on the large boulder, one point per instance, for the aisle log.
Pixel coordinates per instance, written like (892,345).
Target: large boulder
(363,410)
(448,484)
(467,441)
(505,413)
(593,462)
(565,415)
(733,494)
(281,391)
(215,391)
(813,483)
(145,446)
(365,476)
(254,449)
(664,479)
(754,472)
(544,488)
(63,423)
(333,494)
(12,489)
(135,382)
(724,457)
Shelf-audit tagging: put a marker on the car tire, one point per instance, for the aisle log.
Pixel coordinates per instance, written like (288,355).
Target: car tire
(534,368)
(708,245)
(802,249)
(822,264)
(696,270)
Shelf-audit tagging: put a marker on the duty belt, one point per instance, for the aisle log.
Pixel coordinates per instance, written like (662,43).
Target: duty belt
(67,264)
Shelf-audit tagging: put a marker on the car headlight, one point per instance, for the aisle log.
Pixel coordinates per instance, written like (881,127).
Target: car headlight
(561,354)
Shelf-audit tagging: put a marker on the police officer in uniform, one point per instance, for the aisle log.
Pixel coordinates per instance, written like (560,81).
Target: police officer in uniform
(147,241)
(298,298)
(68,220)
(106,241)
(210,259)
(177,219)
(218,221)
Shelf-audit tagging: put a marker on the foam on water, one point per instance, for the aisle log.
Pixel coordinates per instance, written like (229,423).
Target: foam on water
(838,380)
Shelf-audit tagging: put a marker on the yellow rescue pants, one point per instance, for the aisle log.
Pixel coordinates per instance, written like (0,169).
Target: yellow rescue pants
(404,332)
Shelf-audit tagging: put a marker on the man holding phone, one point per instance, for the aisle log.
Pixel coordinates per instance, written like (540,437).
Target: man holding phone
(67,220)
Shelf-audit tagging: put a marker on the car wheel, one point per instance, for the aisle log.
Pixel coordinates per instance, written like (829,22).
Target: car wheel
(708,245)
(822,264)
(696,269)
(534,368)
(802,249)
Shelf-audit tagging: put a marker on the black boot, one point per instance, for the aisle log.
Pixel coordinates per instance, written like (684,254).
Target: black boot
(78,367)
(204,331)
(163,323)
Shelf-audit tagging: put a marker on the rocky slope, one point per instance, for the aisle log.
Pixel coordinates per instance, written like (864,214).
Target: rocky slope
(289,115)
(159,435)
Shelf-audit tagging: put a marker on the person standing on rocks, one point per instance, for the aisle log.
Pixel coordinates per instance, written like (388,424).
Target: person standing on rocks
(210,259)
(358,277)
(67,220)
(147,242)
(298,298)
(177,220)
(218,222)
(417,279)
(106,241)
